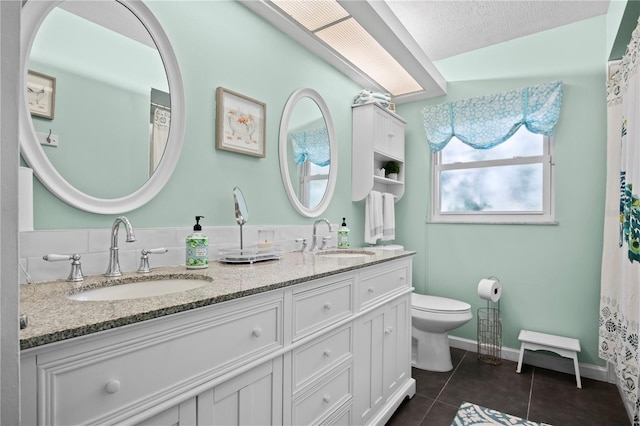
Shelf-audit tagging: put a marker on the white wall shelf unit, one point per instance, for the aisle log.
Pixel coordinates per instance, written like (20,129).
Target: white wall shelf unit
(378,137)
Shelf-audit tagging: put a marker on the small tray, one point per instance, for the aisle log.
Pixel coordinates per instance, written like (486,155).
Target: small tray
(249,254)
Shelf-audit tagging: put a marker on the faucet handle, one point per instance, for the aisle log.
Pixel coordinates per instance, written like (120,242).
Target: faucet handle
(144,259)
(304,243)
(75,274)
(324,241)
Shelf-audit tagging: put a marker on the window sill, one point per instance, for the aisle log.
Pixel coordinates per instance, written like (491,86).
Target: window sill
(484,222)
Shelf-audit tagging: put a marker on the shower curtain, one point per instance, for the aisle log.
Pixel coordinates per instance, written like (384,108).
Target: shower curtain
(620,280)
(159,136)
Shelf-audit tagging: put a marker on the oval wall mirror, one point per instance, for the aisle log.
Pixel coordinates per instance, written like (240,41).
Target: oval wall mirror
(113,97)
(308,152)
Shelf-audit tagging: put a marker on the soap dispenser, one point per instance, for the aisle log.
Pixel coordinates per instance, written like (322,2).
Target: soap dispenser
(197,247)
(343,235)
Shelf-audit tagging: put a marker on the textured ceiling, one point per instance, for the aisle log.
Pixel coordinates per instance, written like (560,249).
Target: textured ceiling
(447,28)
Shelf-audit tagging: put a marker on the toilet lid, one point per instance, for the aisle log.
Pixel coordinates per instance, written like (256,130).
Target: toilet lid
(423,302)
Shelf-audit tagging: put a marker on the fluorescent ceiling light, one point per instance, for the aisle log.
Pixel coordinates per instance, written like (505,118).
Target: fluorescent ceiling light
(334,26)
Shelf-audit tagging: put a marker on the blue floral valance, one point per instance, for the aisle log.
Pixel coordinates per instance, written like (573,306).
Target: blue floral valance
(487,121)
(312,145)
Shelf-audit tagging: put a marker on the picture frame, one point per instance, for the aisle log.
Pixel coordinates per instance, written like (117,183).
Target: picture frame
(240,123)
(41,94)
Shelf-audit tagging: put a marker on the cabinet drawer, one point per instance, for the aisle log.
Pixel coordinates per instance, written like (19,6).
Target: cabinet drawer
(317,308)
(341,418)
(314,359)
(373,286)
(314,407)
(94,386)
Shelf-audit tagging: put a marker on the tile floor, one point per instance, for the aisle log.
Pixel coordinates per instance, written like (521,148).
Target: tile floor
(536,394)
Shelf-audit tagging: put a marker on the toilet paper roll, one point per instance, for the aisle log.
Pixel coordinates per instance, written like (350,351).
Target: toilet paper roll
(489,289)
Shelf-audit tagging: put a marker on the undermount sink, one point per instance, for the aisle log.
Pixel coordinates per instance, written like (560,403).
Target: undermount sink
(345,253)
(137,290)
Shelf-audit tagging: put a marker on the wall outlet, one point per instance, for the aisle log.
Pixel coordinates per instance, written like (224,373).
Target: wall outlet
(48,139)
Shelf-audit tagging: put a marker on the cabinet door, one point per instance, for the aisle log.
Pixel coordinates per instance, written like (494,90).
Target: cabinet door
(382,356)
(181,415)
(397,344)
(368,365)
(252,398)
(395,134)
(380,139)
(388,134)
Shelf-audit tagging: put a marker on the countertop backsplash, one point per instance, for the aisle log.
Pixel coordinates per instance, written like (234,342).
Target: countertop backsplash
(93,246)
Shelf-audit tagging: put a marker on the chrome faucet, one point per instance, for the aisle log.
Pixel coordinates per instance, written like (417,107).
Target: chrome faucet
(314,241)
(113,270)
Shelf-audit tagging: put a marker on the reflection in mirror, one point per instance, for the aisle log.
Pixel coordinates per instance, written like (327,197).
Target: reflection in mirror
(242,212)
(309,159)
(308,152)
(112,100)
(120,101)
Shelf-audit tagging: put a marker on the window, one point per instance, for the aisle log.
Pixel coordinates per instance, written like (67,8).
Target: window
(509,183)
(313,183)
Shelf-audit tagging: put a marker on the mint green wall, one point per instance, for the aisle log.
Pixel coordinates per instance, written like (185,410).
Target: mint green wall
(222,43)
(550,274)
(75,121)
(614,19)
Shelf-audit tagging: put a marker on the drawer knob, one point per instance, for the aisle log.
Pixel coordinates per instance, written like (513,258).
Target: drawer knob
(113,386)
(388,330)
(327,306)
(326,353)
(370,290)
(257,332)
(326,399)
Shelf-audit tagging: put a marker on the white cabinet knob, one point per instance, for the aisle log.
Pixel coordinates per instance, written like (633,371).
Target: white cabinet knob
(391,134)
(388,330)
(257,332)
(326,399)
(327,306)
(113,386)
(370,290)
(326,353)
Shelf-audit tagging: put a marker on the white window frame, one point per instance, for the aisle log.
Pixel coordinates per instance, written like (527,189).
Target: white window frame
(546,216)
(305,181)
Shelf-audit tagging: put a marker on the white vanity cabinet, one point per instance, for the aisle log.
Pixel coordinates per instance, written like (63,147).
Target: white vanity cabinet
(135,372)
(383,351)
(253,398)
(378,137)
(330,351)
(182,414)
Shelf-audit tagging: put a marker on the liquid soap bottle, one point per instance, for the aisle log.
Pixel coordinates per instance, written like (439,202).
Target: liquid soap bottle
(197,247)
(343,235)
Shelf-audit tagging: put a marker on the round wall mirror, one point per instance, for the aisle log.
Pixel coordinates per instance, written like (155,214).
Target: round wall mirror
(112,98)
(308,152)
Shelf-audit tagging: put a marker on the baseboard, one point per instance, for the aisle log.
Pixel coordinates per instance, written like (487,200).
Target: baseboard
(539,359)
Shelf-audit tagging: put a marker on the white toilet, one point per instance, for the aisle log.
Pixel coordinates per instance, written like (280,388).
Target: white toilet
(431,318)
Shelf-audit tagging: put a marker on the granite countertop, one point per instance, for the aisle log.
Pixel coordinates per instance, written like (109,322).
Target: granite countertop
(53,317)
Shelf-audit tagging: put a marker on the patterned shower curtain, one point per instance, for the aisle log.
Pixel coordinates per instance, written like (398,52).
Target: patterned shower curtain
(620,280)
(159,137)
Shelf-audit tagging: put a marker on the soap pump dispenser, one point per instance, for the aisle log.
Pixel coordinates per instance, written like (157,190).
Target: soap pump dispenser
(197,247)
(343,235)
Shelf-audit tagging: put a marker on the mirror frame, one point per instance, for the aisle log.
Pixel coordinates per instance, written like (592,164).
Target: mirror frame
(33,14)
(282,150)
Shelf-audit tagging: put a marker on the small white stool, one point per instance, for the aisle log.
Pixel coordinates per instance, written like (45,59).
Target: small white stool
(563,346)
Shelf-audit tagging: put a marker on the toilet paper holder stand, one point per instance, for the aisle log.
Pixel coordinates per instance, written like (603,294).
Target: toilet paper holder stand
(490,331)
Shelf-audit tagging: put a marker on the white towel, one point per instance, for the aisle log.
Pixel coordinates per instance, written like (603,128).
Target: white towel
(388,217)
(373,221)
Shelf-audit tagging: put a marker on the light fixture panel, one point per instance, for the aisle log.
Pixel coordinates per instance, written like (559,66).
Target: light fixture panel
(313,14)
(356,45)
